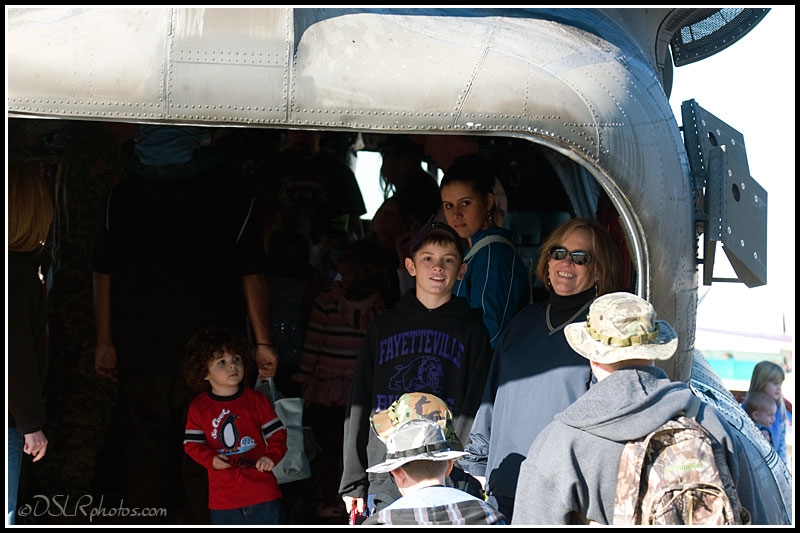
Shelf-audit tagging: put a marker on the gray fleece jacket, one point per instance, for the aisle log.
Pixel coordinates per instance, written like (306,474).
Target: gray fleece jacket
(570,473)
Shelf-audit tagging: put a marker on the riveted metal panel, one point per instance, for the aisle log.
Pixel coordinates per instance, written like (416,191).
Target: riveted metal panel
(368,70)
(584,83)
(85,76)
(229,65)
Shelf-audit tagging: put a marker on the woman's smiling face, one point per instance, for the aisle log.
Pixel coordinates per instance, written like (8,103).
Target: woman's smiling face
(567,278)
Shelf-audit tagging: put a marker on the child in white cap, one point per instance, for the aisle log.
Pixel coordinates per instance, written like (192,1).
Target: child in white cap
(419,458)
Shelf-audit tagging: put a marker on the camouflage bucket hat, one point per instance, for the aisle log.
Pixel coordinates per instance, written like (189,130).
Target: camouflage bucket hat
(411,406)
(419,439)
(622,326)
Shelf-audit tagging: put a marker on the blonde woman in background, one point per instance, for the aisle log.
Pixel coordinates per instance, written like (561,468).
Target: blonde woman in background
(768,377)
(30,213)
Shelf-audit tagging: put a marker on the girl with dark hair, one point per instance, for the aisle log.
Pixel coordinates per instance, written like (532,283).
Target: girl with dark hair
(497,280)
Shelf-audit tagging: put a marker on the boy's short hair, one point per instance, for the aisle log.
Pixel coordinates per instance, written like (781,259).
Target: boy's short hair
(439,233)
(757,401)
(423,469)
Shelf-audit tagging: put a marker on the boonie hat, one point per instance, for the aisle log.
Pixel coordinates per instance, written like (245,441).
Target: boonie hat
(621,326)
(440,230)
(419,439)
(414,405)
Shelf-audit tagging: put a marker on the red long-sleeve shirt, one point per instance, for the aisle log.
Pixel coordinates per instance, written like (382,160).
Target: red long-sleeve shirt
(244,427)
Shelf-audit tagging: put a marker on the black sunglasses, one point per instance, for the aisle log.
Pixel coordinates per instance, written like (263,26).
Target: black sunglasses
(579,257)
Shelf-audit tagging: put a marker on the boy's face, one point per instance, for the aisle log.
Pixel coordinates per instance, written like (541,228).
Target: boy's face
(436,268)
(225,372)
(765,416)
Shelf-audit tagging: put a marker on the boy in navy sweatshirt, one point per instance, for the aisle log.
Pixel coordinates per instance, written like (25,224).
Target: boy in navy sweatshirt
(430,342)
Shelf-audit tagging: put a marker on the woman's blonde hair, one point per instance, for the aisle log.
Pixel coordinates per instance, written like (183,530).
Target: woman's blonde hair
(763,373)
(30,206)
(605,256)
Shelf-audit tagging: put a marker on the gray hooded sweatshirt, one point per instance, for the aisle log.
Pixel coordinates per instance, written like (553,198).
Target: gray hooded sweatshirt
(570,473)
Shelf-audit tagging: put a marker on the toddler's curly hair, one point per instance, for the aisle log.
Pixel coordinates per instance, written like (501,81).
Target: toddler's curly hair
(204,346)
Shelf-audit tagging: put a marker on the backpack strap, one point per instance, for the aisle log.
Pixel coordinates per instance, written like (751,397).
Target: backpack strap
(485,242)
(740,512)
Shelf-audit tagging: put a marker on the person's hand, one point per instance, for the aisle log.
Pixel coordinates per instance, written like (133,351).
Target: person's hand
(220,462)
(265,464)
(359,503)
(35,445)
(105,361)
(267,361)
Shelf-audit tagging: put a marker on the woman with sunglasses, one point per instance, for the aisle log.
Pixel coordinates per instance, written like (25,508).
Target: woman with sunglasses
(497,280)
(535,373)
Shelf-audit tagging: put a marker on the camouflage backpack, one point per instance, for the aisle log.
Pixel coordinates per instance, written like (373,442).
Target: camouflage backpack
(676,475)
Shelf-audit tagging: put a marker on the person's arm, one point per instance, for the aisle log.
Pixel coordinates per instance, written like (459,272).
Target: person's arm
(477,409)
(105,355)
(478,447)
(785,424)
(25,339)
(194,442)
(481,433)
(256,294)
(275,433)
(354,481)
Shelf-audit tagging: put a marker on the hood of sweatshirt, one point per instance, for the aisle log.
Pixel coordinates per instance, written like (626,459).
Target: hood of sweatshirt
(628,404)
